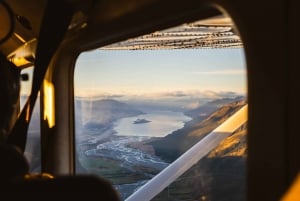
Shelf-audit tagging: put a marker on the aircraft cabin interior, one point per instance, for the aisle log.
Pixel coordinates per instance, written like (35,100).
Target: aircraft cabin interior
(141,100)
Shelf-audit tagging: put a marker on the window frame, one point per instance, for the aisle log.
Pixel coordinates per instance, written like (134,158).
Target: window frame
(275,173)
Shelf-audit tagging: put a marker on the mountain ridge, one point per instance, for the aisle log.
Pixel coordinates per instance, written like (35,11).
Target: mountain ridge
(108,111)
(172,146)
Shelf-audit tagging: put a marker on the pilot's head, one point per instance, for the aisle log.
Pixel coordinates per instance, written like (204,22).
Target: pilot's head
(13,163)
(9,95)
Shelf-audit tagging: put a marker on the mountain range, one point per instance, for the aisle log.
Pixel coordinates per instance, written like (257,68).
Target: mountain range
(175,144)
(102,113)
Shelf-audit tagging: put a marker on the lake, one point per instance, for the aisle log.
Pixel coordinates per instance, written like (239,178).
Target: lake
(161,124)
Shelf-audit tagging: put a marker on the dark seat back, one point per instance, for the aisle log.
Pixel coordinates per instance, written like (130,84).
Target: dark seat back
(85,187)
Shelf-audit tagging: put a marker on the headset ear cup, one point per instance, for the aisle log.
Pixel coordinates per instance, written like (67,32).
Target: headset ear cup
(9,95)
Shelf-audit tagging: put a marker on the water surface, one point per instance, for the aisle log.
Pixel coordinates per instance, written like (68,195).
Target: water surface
(161,124)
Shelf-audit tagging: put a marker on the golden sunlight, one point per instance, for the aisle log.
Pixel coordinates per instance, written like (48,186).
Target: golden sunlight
(294,192)
(49,113)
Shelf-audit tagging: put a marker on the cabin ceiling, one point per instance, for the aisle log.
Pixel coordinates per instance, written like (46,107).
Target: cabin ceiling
(108,16)
(27,19)
(28,16)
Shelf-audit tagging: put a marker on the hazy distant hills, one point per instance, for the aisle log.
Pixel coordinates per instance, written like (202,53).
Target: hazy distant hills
(173,145)
(101,113)
(203,111)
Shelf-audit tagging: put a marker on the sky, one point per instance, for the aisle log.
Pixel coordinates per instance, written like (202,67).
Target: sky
(156,72)
(159,73)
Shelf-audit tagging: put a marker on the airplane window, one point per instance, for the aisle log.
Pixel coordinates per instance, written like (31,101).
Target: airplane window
(32,150)
(142,103)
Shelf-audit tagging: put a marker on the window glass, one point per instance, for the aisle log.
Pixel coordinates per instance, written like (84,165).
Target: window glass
(142,103)
(33,149)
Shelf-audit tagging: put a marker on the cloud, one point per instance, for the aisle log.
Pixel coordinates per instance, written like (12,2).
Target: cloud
(220,94)
(175,94)
(163,95)
(189,94)
(96,96)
